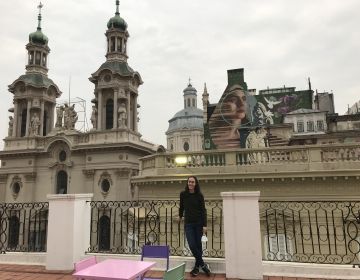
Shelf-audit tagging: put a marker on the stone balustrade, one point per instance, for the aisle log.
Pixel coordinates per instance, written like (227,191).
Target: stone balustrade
(314,158)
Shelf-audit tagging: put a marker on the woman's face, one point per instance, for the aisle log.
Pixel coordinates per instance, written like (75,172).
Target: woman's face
(236,104)
(191,184)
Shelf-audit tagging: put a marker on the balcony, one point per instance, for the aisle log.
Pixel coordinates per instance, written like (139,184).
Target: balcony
(325,159)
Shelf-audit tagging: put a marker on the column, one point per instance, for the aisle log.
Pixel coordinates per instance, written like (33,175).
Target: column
(68,230)
(115,123)
(16,119)
(27,133)
(99,116)
(42,105)
(135,114)
(51,125)
(128,109)
(243,257)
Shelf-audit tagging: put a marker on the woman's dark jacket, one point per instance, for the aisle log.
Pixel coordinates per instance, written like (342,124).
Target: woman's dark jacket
(194,206)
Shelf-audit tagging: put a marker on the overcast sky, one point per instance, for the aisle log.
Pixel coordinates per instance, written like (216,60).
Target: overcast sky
(277,42)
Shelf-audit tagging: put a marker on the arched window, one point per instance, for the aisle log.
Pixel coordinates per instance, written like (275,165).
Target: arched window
(119,44)
(14,227)
(109,114)
(186,146)
(104,233)
(37,58)
(188,102)
(44,60)
(23,123)
(31,57)
(61,182)
(112,44)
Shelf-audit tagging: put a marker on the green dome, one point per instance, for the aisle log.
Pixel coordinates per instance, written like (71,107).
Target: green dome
(117,22)
(38,37)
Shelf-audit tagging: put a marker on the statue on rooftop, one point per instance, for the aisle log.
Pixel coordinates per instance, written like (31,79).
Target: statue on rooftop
(11,125)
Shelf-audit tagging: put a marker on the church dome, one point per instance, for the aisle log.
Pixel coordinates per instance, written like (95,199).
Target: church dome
(117,22)
(189,118)
(190,90)
(38,37)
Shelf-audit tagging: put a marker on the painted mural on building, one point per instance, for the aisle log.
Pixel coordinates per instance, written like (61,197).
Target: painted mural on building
(240,119)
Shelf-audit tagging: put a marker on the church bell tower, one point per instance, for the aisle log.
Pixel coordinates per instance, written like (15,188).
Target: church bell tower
(116,83)
(34,93)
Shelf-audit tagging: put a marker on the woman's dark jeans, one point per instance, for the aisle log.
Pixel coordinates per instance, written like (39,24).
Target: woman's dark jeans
(193,234)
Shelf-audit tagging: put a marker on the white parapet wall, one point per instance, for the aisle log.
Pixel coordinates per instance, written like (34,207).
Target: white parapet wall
(68,230)
(242,235)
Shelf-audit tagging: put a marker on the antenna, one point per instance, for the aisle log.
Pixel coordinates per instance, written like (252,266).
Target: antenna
(69,88)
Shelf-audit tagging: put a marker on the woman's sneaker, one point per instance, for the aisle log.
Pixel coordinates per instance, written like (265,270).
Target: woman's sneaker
(195,271)
(206,269)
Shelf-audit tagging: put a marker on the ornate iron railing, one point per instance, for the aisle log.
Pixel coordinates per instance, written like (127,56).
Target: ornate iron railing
(23,227)
(122,227)
(311,232)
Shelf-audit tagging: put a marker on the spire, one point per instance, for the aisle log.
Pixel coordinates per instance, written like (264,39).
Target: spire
(189,84)
(117,8)
(39,16)
(205,103)
(205,90)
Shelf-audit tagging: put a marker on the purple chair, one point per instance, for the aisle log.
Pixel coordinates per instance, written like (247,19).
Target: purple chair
(156,251)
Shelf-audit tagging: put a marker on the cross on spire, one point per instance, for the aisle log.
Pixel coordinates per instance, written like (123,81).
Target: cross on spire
(39,16)
(117,7)
(189,81)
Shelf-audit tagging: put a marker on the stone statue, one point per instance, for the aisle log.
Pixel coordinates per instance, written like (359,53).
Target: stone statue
(261,137)
(122,116)
(35,124)
(251,140)
(59,116)
(73,117)
(93,117)
(11,125)
(70,117)
(256,140)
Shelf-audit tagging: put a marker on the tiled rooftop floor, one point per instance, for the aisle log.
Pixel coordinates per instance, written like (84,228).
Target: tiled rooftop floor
(31,272)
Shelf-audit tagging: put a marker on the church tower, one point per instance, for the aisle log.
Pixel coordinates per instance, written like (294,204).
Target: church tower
(185,132)
(116,84)
(34,93)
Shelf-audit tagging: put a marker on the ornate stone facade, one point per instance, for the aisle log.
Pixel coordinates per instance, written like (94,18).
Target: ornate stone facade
(45,154)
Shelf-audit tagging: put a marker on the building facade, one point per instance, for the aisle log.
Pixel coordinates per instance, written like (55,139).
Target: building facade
(185,132)
(45,154)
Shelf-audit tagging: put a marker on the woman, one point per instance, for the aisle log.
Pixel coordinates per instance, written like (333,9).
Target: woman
(193,203)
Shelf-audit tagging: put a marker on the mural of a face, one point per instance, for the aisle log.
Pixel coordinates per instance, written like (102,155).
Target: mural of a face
(234,106)
(229,116)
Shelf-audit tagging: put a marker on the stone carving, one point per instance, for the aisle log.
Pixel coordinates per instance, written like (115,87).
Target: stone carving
(35,125)
(122,116)
(59,116)
(256,140)
(11,125)
(70,117)
(93,117)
